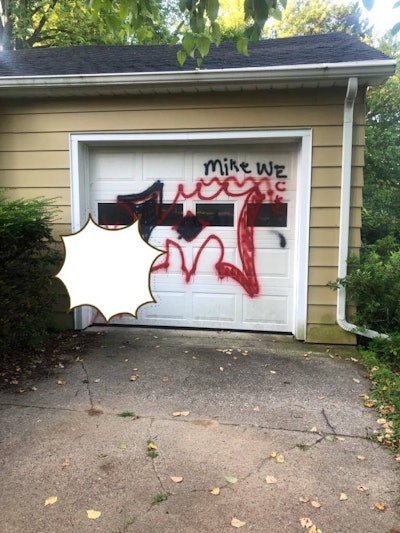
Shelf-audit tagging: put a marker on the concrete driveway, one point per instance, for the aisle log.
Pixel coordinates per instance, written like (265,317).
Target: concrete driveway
(275,428)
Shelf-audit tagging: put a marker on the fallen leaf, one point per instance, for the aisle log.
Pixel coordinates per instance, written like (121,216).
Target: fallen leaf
(361,488)
(152,446)
(381,421)
(354,359)
(340,438)
(304,499)
(256,408)
(273,454)
(369,403)
(34,388)
(92,514)
(231,479)
(315,504)
(96,380)
(356,380)
(329,438)
(273,371)
(134,377)
(221,368)
(181,413)
(313,529)
(215,491)
(335,404)
(380,506)
(165,379)
(361,457)
(176,479)
(61,382)
(235,522)
(50,500)
(270,480)
(280,459)
(397,458)
(343,496)
(314,430)
(321,397)
(67,462)
(306,522)
(122,446)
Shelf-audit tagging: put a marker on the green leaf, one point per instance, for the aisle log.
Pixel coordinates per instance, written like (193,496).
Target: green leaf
(216,33)
(212,8)
(203,45)
(181,56)
(189,44)
(231,479)
(242,45)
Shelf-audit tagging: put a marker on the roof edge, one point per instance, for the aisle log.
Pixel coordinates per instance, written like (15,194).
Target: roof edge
(367,71)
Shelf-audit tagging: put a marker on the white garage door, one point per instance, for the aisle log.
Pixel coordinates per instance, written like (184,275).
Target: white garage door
(225,215)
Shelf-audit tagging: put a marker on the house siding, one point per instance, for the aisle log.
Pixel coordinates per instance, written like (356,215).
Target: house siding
(34,159)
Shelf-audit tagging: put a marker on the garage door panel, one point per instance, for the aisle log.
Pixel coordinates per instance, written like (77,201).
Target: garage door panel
(164,166)
(271,309)
(273,263)
(214,306)
(169,304)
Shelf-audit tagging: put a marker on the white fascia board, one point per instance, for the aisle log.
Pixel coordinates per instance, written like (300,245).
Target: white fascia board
(364,70)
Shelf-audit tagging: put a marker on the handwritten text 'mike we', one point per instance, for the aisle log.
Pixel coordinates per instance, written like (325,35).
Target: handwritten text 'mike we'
(225,167)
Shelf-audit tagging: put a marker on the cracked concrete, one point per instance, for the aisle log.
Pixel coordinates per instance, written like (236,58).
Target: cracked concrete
(264,395)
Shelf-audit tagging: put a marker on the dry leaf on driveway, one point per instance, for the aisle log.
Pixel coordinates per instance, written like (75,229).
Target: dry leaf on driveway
(343,496)
(180,413)
(215,491)
(176,479)
(231,479)
(235,522)
(271,480)
(380,506)
(306,522)
(67,462)
(50,500)
(315,504)
(92,514)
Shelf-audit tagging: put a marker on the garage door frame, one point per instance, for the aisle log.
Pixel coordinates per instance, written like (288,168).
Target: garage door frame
(80,145)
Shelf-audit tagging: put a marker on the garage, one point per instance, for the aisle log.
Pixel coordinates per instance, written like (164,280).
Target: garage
(248,171)
(224,211)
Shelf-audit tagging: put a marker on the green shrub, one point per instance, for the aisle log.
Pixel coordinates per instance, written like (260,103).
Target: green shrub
(28,257)
(373,286)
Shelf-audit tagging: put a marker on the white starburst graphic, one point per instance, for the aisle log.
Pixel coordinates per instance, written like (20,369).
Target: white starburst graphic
(108,269)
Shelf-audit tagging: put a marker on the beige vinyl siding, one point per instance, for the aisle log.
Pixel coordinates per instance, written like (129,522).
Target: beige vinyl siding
(34,156)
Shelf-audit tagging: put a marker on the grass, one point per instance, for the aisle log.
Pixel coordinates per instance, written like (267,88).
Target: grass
(128,414)
(385,398)
(158,498)
(302,447)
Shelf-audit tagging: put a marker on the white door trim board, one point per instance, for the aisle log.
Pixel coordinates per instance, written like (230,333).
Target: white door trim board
(302,138)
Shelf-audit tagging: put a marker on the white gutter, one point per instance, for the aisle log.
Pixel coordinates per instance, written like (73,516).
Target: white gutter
(364,70)
(344,228)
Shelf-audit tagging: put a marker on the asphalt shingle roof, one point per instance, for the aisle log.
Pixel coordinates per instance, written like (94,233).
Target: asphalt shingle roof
(80,60)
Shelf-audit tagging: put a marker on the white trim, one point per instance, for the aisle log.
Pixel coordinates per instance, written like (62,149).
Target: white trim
(80,196)
(366,71)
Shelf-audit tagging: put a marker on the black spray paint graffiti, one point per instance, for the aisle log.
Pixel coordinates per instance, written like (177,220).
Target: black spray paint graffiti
(225,167)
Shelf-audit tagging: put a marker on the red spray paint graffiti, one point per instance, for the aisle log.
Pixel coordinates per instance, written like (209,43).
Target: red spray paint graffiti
(254,191)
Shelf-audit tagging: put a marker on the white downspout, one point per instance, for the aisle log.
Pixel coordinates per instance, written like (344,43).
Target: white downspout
(344,228)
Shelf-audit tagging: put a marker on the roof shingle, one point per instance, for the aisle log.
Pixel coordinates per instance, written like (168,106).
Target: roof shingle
(82,60)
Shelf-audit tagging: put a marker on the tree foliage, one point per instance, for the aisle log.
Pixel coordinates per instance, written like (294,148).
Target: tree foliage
(306,17)
(381,213)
